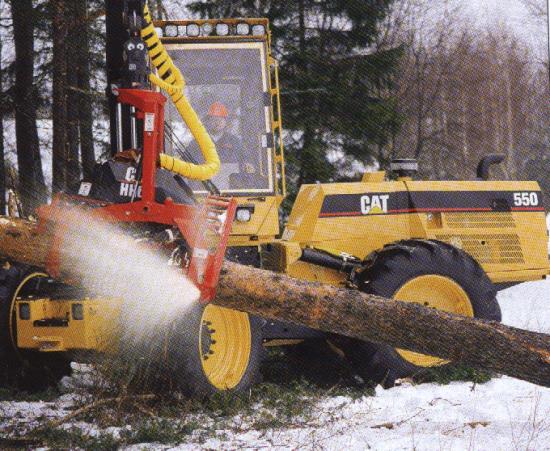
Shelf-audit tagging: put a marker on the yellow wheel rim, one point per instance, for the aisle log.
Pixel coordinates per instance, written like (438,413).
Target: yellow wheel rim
(441,293)
(225,344)
(16,294)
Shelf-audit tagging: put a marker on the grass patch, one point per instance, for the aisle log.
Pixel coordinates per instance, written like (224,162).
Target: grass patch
(13,394)
(453,373)
(163,431)
(158,431)
(62,439)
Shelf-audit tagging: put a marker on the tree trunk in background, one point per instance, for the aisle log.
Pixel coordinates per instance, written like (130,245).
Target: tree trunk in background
(85,107)
(32,188)
(160,11)
(75,27)
(480,344)
(307,172)
(510,163)
(2,158)
(2,167)
(60,152)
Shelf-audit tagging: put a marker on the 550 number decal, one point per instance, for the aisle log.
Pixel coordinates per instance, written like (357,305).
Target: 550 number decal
(526,199)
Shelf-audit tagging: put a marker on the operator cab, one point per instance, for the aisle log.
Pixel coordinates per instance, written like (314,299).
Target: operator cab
(231,82)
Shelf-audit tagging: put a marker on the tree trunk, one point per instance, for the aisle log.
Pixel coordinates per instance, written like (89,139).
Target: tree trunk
(74,29)
(2,157)
(60,152)
(159,9)
(31,178)
(481,344)
(85,110)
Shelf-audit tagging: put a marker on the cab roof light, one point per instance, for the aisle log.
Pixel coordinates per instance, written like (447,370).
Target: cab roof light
(206,29)
(222,29)
(171,31)
(243,29)
(258,30)
(193,30)
(182,30)
(160,32)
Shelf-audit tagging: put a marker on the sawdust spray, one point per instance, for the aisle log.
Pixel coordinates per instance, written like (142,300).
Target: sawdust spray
(151,293)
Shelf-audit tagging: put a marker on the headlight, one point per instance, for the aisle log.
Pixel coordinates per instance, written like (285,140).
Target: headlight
(243,29)
(193,30)
(182,30)
(222,29)
(258,30)
(159,31)
(207,29)
(170,31)
(78,312)
(24,311)
(243,215)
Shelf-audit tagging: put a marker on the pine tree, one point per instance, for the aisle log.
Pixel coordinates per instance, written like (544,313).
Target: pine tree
(60,154)
(334,85)
(85,97)
(31,177)
(2,157)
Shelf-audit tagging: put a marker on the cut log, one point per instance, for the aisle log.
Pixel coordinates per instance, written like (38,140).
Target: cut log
(479,344)
(20,241)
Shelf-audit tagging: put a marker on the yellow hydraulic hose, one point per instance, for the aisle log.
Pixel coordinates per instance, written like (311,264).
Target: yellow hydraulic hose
(171,81)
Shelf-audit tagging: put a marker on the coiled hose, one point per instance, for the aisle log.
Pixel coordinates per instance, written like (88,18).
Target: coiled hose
(171,81)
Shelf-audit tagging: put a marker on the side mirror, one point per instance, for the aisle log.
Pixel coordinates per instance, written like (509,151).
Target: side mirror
(486,163)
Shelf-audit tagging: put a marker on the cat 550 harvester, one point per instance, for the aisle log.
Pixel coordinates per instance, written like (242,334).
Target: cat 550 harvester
(447,245)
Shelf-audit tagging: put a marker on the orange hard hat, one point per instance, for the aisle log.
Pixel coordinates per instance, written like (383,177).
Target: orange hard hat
(218,109)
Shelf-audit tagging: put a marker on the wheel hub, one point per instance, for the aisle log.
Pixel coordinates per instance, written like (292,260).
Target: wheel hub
(438,292)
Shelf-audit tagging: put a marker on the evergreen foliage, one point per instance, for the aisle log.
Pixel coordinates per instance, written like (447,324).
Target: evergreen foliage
(337,105)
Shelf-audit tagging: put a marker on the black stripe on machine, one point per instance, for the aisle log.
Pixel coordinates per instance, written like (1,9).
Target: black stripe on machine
(339,205)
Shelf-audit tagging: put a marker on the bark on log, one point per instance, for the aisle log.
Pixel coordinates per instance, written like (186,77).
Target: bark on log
(480,344)
(21,242)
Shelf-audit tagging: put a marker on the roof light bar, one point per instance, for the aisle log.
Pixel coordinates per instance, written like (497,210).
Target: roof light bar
(211,29)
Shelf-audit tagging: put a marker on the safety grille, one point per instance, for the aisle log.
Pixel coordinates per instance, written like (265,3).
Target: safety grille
(273,257)
(489,249)
(482,220)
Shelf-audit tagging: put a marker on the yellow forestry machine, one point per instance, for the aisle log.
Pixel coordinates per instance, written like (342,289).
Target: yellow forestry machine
(446,245)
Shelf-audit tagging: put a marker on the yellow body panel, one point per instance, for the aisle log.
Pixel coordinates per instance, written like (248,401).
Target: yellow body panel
(345,234)
(263,226)
(96,331)
(511,246)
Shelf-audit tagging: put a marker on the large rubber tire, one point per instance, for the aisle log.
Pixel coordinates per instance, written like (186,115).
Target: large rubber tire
(399,270)
(214,349)
(23,369)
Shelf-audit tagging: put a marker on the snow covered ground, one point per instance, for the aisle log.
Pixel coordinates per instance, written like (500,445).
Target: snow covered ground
(499,415)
